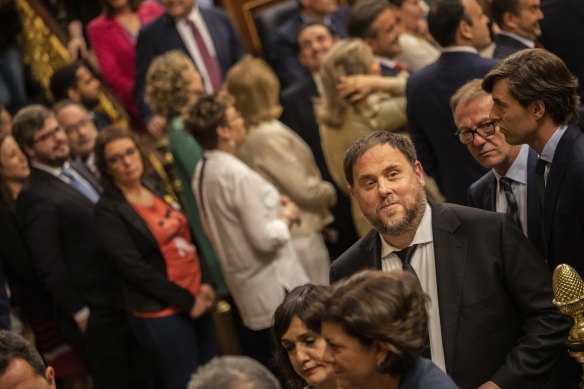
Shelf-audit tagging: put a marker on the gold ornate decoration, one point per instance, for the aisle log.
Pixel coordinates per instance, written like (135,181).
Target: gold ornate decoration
(569,298)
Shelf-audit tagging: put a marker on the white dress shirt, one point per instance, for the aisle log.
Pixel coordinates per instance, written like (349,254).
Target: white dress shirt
(424,265)
(186,35)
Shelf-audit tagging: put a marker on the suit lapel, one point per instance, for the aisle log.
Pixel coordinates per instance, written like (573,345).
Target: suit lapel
(491,193)
(57,187)
(130,215)
(450,256)
(556,177)
(170,38)
(86,174)
(533,225)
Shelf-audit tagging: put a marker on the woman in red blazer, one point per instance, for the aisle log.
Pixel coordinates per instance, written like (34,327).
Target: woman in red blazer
(113,37)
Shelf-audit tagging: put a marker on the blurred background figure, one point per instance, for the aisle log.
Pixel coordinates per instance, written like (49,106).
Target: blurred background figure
(299,350)
(166,287)
(233,372)
(375,325)
(113,37)
(418,47)
(21,366)
(283,158)
(247,220)
(344,119)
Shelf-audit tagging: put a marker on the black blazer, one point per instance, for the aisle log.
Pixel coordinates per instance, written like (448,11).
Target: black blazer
(125,238)
(161,36)
(494,295)
(563,213)
(483,193)
(56,222)
(28,291)
(506,45)
(432,127)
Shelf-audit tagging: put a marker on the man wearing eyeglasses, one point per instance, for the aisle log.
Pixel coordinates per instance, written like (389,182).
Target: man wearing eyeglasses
(77,122)
(509,187)
(55,211)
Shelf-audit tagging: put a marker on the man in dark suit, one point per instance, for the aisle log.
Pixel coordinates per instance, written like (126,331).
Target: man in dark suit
(283,51)
(485,281)
(205,34)
(461,28)
(535,102)
(55,212)
(509,187)
(519,24)
(314,40)
(377,23)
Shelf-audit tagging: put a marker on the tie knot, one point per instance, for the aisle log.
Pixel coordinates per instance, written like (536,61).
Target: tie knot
(505,183)
(406,254)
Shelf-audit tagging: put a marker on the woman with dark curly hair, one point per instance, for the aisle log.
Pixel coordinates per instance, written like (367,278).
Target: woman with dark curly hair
(375,325)
(298,349)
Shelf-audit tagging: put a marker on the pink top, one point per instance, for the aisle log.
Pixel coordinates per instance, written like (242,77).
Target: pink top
(116,53)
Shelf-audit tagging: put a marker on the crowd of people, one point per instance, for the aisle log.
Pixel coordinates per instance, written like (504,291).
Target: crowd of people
(380,202)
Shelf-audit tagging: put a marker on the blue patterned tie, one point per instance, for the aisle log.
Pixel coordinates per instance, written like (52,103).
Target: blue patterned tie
(512,208)
(80,185)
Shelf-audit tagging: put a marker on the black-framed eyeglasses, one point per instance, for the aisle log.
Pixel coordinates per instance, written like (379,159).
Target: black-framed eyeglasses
(466,135)
(116,159)
(47,135)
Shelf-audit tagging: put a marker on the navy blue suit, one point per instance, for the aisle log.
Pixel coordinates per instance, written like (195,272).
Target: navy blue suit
(161,36)
(483,193)
(563,209)
(432,127)
(386,71)
(298,114)
(506,45)
(283,51)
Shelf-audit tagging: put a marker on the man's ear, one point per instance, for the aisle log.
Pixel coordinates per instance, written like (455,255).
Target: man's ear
(464,32)
(420,172)
(538,109)
(223,133)
(350,188)
(29,151)
(73,95)
(509,21)
(50,376)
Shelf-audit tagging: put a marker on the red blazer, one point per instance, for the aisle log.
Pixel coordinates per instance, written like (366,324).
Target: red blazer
(115,51)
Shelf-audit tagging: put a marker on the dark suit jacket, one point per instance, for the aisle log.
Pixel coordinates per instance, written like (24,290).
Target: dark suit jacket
(386,71)
(283,51)
(506,45)
(494,296)
(562,30)
(483,193)
(432,127)
(298,114)
(126,239)
(57,224)
(161,36)
(563,213)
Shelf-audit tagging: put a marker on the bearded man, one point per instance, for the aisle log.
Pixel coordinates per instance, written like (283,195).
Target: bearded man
(491,320)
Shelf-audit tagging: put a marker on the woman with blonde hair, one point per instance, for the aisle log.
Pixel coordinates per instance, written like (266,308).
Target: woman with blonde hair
(355,101)
(284,159)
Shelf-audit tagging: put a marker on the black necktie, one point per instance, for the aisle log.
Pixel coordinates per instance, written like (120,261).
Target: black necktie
(540,180)
(406,257)
(512,208)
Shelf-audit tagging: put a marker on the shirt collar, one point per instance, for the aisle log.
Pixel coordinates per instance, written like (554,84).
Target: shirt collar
(423,234)
(460,49)
(518,170)
(527,42)
(549,149)
(390,63)
(52,170)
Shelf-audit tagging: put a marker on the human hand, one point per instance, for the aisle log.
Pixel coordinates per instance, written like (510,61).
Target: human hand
(82,324)
(157,127)
(356,87)
(289,213)
(208,294)
(76,46)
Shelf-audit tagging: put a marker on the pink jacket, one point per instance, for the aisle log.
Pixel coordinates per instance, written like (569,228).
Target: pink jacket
(115,51)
